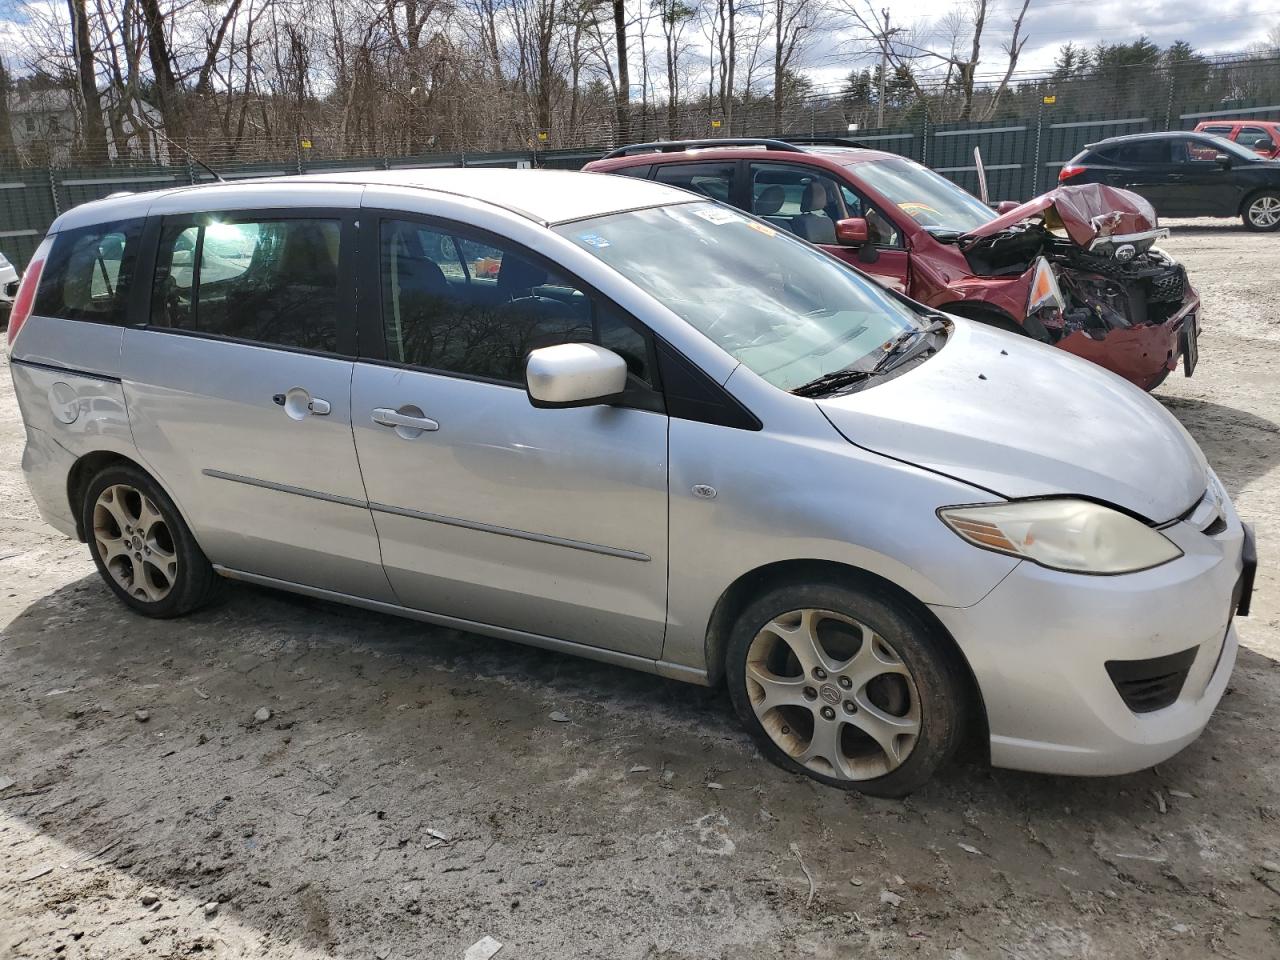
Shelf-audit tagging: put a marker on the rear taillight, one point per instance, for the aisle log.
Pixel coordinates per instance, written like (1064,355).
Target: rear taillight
(26,297)
(1069,171)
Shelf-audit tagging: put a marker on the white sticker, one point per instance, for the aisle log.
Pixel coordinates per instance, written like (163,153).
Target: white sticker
(718,215)
(593,240)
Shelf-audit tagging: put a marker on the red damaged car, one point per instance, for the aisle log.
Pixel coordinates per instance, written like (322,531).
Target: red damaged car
(1076,267)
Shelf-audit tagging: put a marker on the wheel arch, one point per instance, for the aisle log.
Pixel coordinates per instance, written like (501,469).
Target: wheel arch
(1253,194)
(982,312)
(739,593)
(88,466)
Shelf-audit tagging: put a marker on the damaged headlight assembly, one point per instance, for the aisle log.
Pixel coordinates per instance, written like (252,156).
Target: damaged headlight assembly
(1064,533)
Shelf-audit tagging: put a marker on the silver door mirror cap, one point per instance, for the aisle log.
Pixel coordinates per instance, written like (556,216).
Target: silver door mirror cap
(574,375)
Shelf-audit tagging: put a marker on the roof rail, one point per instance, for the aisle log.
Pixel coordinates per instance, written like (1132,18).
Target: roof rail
(826,141)
(675,146)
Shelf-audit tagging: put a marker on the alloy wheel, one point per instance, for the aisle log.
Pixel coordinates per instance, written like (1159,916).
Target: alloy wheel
(833,694)
(135,543)
(1265,212)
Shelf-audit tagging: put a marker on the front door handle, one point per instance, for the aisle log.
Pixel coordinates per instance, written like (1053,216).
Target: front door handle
(409,421)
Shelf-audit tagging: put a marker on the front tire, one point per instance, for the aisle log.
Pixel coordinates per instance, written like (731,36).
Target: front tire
(848,685)
(1261,212)
(141,545)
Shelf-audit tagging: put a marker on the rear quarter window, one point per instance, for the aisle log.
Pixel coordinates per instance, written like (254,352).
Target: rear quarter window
(89,271)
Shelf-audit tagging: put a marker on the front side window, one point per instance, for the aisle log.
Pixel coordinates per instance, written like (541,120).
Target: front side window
(273,282)
(713,180)
(881,231)
(87,274)
(926,197)
(790,313)
(459,305)
(1252,136)
(1206,149)
(797,198)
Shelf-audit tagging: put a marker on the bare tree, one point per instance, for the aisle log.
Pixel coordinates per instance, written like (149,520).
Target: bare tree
(793,22)
(95,138)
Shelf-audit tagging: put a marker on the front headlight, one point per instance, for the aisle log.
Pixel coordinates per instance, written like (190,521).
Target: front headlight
(1078,536)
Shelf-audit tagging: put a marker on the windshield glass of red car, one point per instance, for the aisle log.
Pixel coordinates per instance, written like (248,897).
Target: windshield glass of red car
(786,310)
(929,199)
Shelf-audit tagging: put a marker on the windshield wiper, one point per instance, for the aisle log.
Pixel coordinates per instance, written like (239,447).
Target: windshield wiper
(900,346)
(831,381)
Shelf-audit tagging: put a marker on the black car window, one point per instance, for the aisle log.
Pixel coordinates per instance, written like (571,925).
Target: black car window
(1141,151)
(458,305)
(1218,131)
(1196,150)
(272,282)
(86,275)
(714,180)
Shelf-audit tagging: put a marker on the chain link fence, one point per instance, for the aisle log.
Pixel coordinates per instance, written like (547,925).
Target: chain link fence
(1025,136)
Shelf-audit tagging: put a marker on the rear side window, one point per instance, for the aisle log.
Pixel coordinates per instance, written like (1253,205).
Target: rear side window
(1141,151)
(460,306)
(713,180)
(272,281)
(88,273)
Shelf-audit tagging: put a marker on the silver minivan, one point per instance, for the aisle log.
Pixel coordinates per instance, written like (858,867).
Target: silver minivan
(608,417)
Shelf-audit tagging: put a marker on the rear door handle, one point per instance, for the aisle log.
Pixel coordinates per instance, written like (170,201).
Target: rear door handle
(409,421)
(298,403)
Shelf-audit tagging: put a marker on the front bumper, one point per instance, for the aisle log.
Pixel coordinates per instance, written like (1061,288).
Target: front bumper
(1040,642)
(1143,354)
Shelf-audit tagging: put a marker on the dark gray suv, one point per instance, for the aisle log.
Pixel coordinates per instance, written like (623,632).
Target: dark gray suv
(1185,175)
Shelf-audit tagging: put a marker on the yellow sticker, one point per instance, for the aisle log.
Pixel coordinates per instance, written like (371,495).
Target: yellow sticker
(761,228)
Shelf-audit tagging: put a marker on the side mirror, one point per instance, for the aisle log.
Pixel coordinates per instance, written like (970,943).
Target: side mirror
(852,231)
(1004,206)
(1264,146)
(574,375)
(1223,160)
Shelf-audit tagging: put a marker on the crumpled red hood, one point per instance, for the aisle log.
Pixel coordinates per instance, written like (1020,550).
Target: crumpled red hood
(1086,211)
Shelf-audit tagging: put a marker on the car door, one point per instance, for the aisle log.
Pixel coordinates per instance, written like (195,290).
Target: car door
(1200,186)
(551,523)
(238,388)
(1145,167)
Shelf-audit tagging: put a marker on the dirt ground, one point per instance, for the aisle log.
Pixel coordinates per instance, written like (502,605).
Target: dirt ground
(411,793)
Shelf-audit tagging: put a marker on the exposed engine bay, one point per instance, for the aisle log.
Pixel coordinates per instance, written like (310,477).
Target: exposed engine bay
(1114,284)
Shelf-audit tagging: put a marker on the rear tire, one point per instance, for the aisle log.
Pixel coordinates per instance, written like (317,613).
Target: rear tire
(848,685)
(142,547)
(1261,212)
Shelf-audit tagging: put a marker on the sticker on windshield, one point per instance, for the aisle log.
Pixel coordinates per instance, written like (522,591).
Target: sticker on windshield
(718,215)
(762,228)
(593,240)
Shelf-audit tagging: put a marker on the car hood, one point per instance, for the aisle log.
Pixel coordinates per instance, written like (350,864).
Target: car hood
(1022,419)
(1086,212)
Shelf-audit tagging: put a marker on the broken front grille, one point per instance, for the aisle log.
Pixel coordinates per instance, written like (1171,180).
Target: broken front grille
(1149,685)
(1170,287)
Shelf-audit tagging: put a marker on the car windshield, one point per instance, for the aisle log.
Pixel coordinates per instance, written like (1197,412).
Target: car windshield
(928,198)
(786,310)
